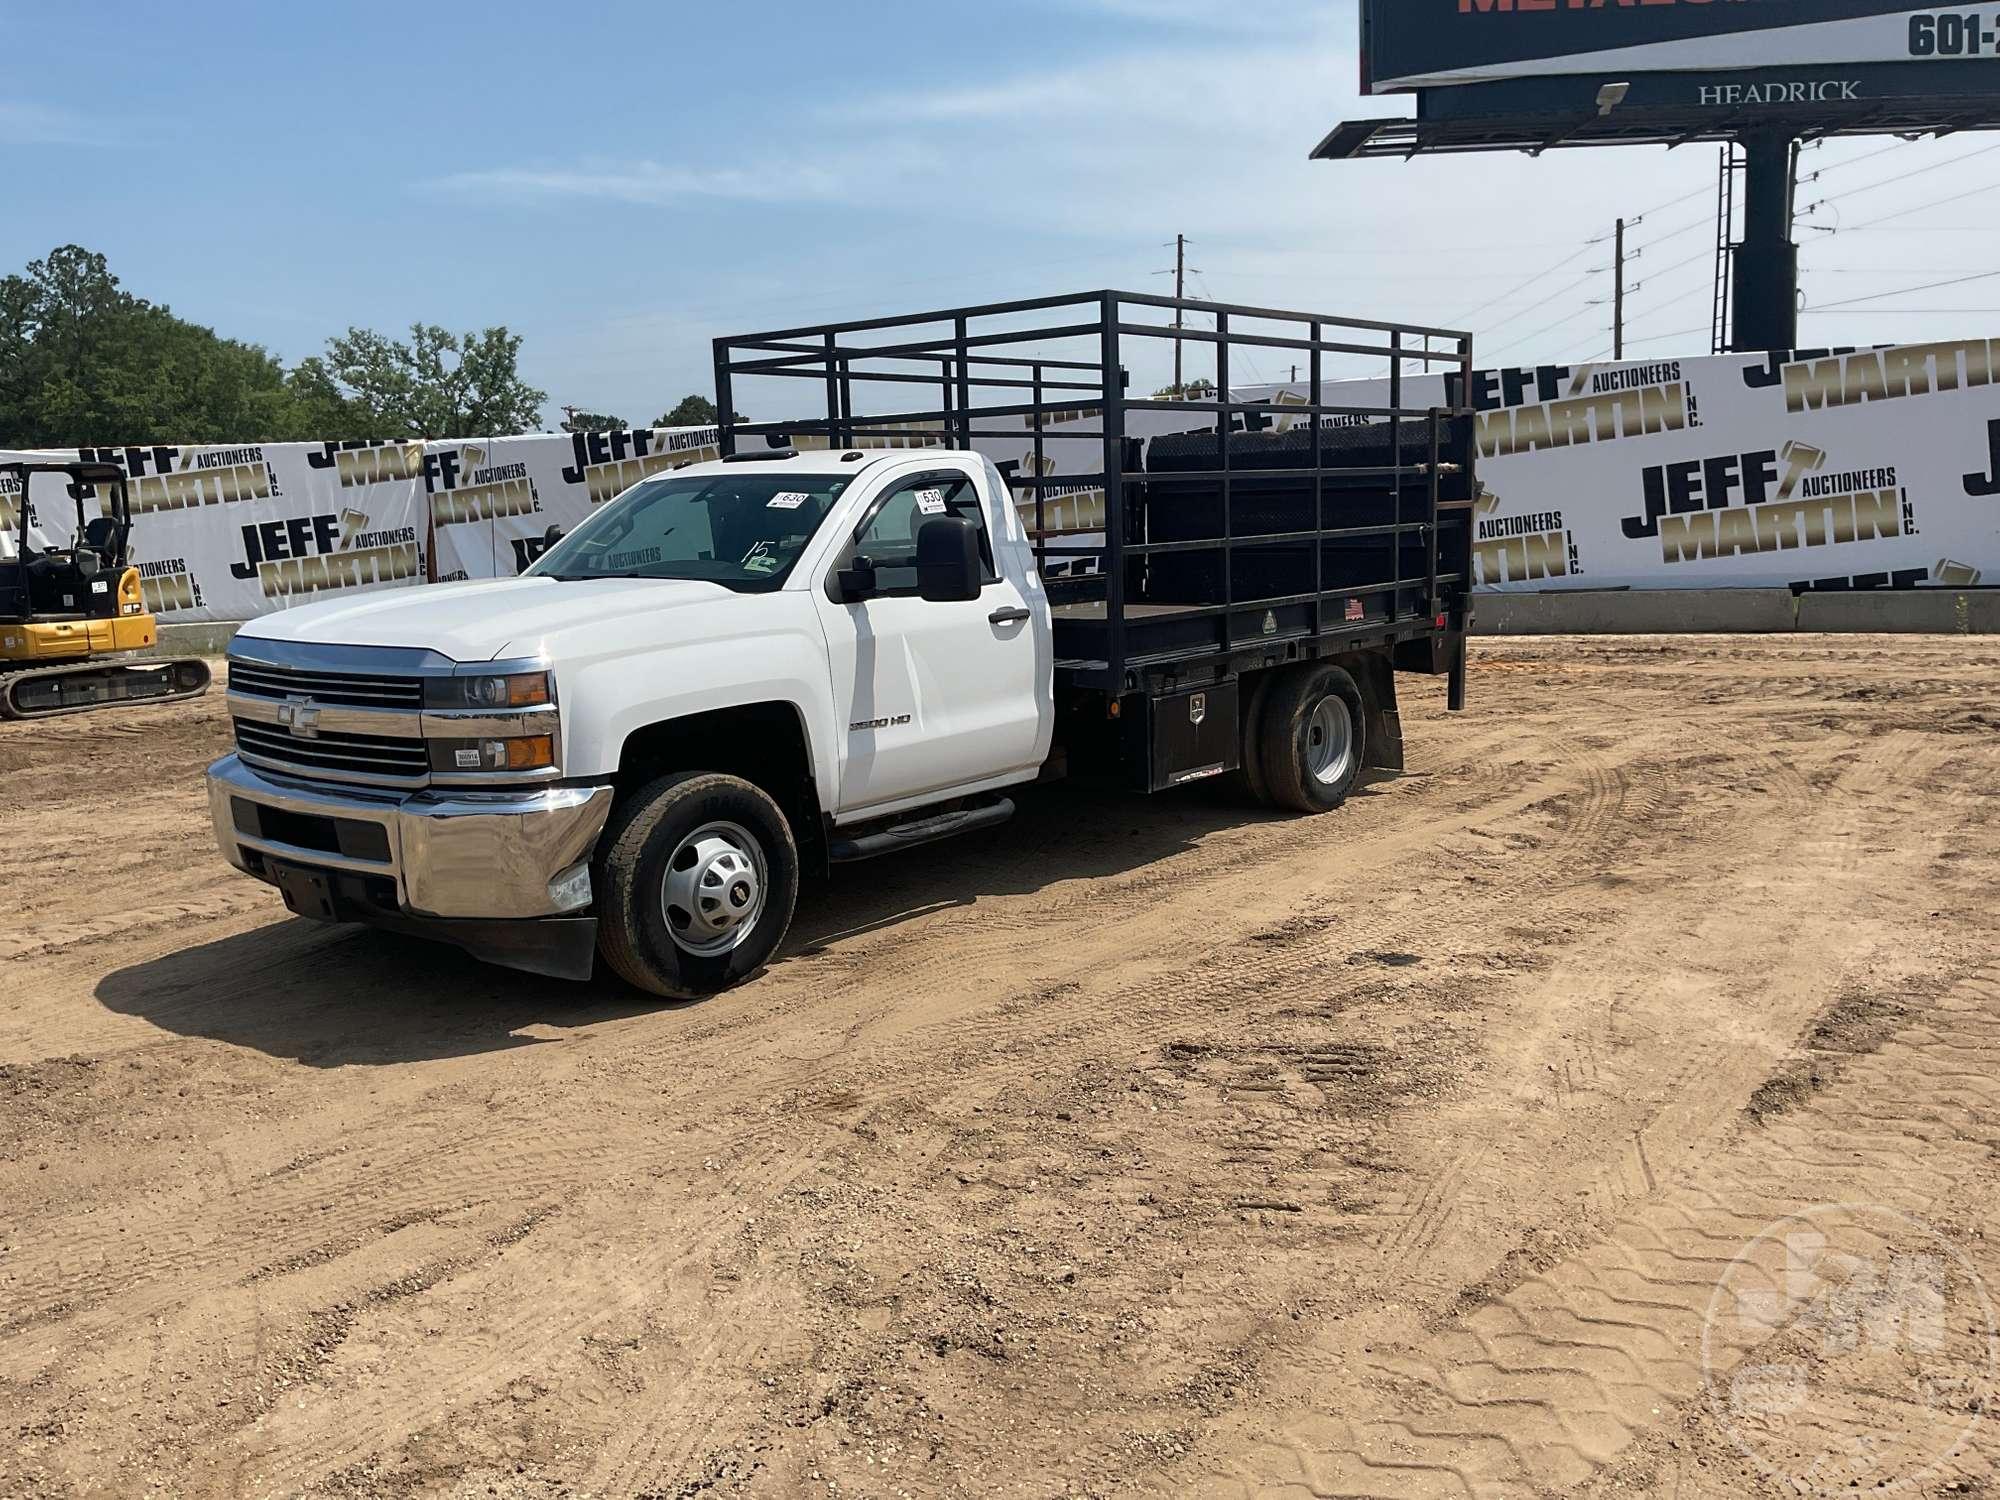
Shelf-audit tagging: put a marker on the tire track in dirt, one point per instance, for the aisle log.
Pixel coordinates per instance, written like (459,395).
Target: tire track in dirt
(882,1019)
(421,1173)
(1699,1075)
(1548,1384)
(178,1267)
(1284,961)
(1236,979)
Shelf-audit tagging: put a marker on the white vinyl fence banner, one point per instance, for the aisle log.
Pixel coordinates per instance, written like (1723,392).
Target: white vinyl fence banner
(1848,469)
(1865,468)
(228,533)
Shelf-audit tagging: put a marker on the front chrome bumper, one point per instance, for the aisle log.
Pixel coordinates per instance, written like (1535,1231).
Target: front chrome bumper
(501,855)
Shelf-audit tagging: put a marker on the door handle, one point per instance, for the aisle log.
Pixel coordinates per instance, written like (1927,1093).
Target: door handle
(1011,616)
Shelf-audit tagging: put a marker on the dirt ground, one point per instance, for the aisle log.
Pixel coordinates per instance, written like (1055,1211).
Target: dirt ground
(1144,1147)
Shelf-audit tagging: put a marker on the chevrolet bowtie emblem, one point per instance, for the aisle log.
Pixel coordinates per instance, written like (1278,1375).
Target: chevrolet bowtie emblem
(301,716)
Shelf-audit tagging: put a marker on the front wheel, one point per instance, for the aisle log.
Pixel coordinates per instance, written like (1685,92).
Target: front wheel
(696,877)
(1312,738)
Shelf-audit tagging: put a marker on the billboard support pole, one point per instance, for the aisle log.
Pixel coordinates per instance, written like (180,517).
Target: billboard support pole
(1767,262)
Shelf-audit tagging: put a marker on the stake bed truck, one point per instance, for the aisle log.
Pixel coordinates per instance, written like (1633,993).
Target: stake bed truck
(858,632)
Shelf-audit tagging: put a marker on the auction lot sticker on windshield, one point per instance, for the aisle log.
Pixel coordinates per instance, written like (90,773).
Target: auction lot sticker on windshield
(788,500)
(931,502)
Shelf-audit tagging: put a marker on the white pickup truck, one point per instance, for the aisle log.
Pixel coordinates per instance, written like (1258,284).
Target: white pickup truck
(743,670)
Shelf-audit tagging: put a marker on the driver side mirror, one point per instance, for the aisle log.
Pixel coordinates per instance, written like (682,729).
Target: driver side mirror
(553,535)
(948,567)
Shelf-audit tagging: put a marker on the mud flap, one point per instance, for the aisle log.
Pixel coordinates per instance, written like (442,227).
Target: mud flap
(1384,726)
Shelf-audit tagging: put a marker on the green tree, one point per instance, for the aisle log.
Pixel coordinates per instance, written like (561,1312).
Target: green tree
(319,405)
(693,411)
(87,363)
(439,384)
(1193,390)
(83,362)
(590,421)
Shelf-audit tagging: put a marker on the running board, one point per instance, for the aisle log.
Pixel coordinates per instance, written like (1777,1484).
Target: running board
(921,831)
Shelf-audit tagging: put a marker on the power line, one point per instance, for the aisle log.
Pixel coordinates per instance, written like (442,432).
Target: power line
(1929,286)
(1899,178)
(1700,192)
(1414,252)
(1424,276)
(1528,338)
(1865,228)
(1464,318)
(1887,270)
(1855,161)
(1678,333)
(1561,291)
(1895,312)
(1904,213)
(1665,302)
(1679,265)
(1242,351)
(1673,234)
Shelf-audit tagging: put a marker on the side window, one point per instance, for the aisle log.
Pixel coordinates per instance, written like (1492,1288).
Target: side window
(889,537)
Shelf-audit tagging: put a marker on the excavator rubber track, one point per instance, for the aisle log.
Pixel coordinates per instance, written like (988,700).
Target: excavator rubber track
(78,687)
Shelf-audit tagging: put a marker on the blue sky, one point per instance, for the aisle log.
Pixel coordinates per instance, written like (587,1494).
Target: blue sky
(621,182)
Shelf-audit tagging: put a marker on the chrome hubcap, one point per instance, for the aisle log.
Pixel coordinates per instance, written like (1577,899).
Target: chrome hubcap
(714,890)
(1330,741)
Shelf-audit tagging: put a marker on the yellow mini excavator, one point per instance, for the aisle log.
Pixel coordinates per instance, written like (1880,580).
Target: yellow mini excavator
(72,618)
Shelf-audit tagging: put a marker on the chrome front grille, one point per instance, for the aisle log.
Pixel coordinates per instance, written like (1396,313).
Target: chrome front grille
(340,756)
(383,717)
(346,689)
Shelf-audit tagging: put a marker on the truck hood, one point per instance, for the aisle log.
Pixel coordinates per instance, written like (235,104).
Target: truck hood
(485,619)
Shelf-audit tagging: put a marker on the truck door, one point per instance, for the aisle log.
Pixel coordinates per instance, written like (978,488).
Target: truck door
(933,696)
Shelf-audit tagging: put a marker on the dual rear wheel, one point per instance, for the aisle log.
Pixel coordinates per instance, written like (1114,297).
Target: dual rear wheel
(1305,738)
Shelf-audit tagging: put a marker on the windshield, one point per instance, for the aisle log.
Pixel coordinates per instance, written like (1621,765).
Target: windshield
(744,532)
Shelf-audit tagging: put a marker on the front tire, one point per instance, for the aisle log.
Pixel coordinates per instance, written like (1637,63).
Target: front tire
(1314,740)
(696,876)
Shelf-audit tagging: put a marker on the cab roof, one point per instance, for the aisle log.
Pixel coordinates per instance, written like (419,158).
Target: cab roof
(831,461)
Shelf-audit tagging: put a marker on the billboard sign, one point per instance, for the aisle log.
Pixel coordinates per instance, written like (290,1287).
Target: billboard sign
(1434,44)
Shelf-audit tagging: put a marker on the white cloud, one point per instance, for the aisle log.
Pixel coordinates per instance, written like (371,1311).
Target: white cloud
(644,181)
(27,124)
(1208,14)
(1101,159)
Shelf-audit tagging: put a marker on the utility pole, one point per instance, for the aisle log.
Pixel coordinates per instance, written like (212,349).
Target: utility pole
(1618,297)
(1180,291)
(1180,274)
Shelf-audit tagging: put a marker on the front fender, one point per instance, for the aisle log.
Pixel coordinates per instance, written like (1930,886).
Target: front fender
(610,695)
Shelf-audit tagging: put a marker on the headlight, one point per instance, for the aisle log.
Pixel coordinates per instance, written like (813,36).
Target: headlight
(532,752)
(520,690)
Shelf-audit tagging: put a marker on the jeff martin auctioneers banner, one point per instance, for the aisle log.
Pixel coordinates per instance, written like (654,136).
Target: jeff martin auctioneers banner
(1865,468)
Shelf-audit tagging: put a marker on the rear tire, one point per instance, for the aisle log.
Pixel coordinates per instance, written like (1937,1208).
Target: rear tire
(696,877)
(1314,738)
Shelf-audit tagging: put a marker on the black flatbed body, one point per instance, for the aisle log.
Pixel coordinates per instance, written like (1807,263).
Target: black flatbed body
(1210,530)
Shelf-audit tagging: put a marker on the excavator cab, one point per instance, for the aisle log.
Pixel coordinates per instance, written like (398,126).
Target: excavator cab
(73,615)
